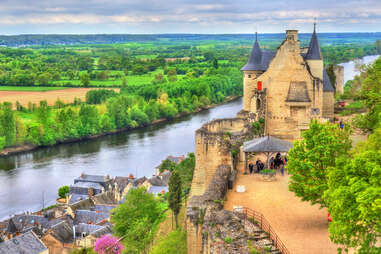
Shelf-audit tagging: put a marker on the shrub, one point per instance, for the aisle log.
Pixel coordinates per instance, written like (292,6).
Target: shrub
(62,191)
(228,240)
(108,244)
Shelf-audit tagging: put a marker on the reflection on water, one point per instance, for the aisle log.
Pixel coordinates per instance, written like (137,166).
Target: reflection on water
(25,179)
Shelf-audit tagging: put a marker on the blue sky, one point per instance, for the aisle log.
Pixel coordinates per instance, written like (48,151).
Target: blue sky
(187,16)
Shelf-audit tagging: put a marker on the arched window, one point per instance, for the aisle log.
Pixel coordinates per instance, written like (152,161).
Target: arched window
(258,103)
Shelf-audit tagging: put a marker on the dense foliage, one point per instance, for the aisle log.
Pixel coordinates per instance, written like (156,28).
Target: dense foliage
(63,190)
(310,158)
(371,95)
(136,219)
(354,198)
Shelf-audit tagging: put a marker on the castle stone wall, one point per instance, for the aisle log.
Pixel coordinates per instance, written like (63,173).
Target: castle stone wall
(339,73)
(328,108)
(213,143)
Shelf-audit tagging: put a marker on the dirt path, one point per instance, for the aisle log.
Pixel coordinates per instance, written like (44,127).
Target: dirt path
(66,95)
(301,227)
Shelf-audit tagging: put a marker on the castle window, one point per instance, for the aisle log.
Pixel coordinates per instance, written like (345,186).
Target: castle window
(258,104)
(249,76)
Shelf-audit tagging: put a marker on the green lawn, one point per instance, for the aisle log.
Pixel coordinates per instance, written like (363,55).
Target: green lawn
(30,88)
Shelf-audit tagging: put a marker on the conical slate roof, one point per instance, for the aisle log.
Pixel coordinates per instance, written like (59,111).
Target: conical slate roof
(267,144)
(314,48)
(327,85)
(258,60)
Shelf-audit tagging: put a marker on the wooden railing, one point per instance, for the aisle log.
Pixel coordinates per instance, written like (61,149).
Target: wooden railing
(258,219)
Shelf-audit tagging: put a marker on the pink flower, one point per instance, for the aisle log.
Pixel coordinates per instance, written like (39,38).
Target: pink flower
(108,244)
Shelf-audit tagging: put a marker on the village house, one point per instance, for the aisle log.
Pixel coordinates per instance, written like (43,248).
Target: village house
(24,243)
(60,238)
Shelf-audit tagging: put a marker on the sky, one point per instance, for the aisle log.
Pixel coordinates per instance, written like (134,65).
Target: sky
(186,16)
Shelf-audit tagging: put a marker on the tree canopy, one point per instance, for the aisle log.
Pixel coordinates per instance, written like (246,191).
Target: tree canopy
(136,218)
(354,198)
(310,158)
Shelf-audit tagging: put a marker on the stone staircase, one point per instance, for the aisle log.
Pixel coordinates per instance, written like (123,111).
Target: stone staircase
(261,238)
(262,234)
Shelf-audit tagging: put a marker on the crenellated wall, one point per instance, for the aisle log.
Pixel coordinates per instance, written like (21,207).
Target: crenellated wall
(213,148)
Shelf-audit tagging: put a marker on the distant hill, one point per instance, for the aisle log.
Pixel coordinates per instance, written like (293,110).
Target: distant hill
(71,39)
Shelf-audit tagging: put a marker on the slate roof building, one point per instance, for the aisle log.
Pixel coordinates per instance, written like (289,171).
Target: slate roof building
(105,181)
(25,243)
(90,217)
(289,87)
(60,238)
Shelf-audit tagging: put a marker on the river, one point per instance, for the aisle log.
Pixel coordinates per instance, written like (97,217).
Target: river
(350,69)
(29,181)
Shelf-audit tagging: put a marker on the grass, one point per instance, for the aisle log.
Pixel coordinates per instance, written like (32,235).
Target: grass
(30,88)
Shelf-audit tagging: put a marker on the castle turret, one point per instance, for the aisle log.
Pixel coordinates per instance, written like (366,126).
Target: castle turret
(313,57)
(252,69)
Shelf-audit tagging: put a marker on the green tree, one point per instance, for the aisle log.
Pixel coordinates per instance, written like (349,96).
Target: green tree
(62,191)
(215,63)
(7,123)
(370,92)
(354,198)
(167,164)
(135,219)
(174,194)
(310,158)
(85,79)
(44,78)
(2,143)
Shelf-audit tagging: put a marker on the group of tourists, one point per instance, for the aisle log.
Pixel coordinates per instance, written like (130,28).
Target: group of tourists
(275,163)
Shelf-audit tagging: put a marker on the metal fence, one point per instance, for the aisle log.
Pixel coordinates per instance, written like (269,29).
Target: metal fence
(261,222)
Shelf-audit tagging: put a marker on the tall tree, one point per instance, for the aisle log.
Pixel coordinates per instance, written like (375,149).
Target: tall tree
(354,198)
(7,123)
(85,79)
(174,194)
(310,158)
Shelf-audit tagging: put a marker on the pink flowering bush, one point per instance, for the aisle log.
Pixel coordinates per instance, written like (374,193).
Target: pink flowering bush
(108,244)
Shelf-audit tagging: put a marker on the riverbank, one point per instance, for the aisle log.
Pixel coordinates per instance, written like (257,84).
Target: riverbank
(28,147)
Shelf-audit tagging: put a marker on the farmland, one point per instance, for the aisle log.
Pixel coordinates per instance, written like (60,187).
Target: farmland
(26,95)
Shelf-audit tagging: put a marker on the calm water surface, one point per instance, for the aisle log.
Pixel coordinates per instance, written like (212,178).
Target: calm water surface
(30,180)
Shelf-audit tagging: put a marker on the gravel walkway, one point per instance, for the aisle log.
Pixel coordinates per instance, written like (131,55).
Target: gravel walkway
(301,227)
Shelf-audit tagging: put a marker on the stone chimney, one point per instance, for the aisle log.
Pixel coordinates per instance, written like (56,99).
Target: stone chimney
(292,35)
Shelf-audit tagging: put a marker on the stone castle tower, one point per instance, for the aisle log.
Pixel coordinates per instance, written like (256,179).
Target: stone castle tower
(288,87)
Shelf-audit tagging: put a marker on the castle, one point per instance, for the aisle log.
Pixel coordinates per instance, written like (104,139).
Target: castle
(287,88)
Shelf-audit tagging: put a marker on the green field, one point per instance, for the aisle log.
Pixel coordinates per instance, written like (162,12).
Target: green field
(30,88)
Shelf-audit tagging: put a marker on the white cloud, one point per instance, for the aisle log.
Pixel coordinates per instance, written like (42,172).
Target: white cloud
(166,15)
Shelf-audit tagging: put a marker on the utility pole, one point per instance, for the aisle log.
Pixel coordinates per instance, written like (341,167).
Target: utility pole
(43,199)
